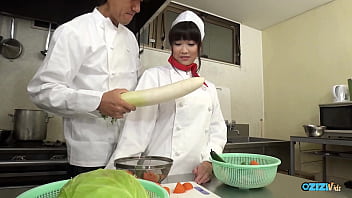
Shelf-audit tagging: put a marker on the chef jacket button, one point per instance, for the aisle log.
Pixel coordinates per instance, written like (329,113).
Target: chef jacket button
(209,108)
(178,128)
(177,154)
(180,104)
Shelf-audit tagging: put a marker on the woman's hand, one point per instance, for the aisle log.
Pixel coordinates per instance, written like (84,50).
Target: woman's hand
(203,172)
(112,105)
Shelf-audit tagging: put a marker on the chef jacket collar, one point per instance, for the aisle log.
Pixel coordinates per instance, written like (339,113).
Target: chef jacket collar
(103,21)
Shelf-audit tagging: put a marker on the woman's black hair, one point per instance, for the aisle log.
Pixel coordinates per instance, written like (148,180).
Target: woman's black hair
(186,30)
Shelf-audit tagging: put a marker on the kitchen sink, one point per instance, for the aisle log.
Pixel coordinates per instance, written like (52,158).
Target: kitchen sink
(258,145)
(248,139)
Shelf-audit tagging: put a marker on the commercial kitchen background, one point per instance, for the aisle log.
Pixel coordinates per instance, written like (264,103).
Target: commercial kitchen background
(286,71)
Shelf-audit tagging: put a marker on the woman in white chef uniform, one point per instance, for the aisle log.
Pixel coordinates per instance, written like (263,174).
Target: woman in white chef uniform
(92,59)
(185,129)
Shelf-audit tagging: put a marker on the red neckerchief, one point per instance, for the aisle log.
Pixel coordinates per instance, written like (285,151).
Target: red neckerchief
(192,67)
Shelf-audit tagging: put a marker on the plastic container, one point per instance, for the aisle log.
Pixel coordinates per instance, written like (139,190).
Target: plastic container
(238,172)
(52,190)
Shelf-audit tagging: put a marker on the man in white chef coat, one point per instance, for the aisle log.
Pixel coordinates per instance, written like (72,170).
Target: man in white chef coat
(91,60)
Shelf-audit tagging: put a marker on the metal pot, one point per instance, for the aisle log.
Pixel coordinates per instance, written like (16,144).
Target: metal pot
(11,48)
(30,124)
(313,130)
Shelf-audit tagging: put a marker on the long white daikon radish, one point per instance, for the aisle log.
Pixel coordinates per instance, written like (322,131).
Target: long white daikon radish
(162,94)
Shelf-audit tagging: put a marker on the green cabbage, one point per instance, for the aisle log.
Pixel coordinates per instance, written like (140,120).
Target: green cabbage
(104,183)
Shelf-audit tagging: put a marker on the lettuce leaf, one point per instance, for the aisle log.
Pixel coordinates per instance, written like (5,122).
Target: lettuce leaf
(104,183)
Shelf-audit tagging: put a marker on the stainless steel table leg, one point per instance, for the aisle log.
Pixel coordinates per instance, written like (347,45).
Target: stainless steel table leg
(292,158)
(324,163)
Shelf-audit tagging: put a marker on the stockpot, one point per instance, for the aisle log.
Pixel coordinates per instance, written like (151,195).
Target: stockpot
(30,124)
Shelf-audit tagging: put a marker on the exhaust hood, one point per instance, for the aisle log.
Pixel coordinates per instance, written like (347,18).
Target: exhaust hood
(61,11)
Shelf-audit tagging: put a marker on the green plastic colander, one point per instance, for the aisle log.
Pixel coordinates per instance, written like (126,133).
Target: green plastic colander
(238,172)
(52,190)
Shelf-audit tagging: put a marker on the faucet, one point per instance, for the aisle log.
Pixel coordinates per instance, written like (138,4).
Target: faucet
(237,131)
(231,127)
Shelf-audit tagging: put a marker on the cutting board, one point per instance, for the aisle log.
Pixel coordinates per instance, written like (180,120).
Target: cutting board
(197,191)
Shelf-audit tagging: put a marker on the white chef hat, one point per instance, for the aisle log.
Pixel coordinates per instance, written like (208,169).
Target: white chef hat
(190,16)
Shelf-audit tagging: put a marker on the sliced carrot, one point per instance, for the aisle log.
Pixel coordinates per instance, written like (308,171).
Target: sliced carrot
(187,185)
(167,189)
(129,172)
(150,176)
(179,188)
(253,162)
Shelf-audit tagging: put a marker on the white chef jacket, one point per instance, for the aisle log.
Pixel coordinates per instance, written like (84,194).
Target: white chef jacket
(185,129)
(87,57)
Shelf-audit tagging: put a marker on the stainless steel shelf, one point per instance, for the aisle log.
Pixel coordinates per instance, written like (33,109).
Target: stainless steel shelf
(345,155)
(319,140)
(324,153)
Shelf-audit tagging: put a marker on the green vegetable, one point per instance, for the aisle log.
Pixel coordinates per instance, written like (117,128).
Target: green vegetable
(112,120)
(103,183)
(162,94)
(215,156)
(243,163)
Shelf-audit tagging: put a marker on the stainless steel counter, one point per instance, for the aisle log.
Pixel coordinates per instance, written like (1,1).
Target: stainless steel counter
(284,186)
(12,192)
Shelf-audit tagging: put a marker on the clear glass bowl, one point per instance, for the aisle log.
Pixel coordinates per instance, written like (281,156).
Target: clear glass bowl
(152,168)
